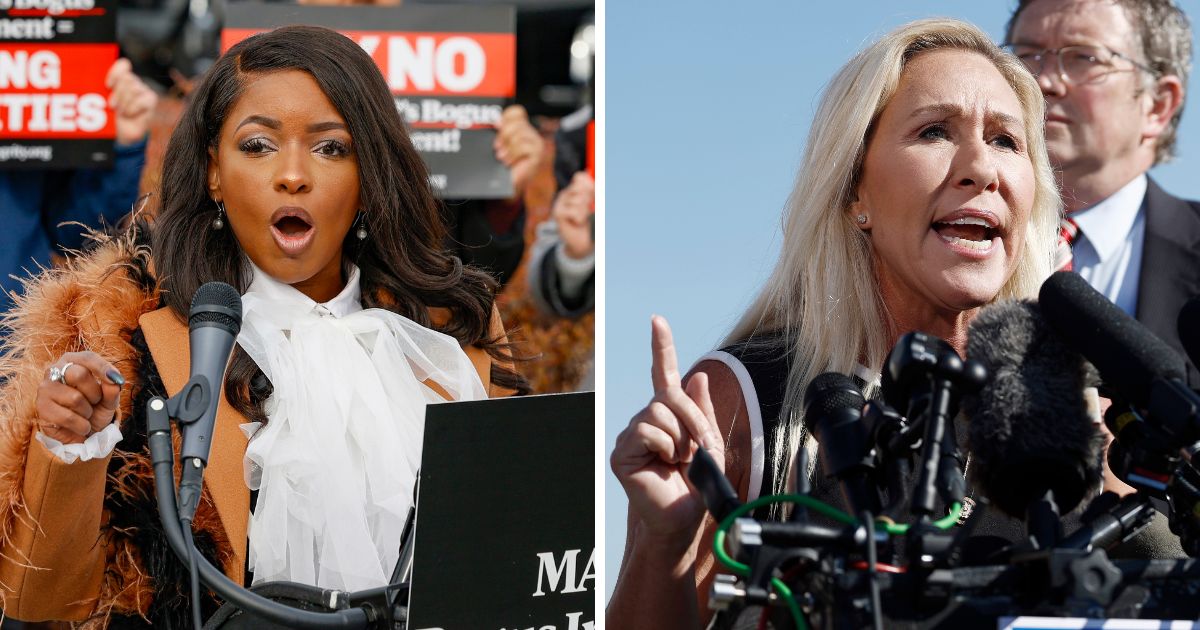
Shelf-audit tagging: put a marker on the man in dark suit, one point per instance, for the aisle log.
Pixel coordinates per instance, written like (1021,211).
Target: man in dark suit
(1114,74)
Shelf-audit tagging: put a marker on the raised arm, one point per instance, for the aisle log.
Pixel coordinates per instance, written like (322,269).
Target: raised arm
(668,563)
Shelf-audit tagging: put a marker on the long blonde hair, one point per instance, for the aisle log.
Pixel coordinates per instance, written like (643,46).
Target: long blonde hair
(822,294)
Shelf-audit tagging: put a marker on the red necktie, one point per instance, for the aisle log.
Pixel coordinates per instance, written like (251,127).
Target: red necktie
(1068,231)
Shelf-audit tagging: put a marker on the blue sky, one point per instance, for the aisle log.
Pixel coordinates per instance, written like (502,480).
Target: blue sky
(707,112)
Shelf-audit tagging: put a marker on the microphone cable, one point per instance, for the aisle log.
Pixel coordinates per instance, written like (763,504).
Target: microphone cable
(193,573)
(872,566)
(824,509)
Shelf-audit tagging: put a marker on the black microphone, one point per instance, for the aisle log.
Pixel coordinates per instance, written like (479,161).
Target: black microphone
(719,496)
(213,322)
(1140,368)
(1029,429)
(833,409)
(1189,329)
(1128,356)
(905,379)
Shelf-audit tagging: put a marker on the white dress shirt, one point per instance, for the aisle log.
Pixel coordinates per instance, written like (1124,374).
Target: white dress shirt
(1108,250)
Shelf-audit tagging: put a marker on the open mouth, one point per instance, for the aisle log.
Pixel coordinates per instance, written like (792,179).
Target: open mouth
(970,232)
(293,230)
(292,226)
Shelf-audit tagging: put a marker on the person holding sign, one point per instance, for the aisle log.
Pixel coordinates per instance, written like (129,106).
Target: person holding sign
(924,194)
(490,233)
(48,212)
(562,265)
(562,268)
(290,177)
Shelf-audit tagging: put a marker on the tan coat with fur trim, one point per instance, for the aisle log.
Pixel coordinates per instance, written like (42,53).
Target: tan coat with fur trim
(57,560)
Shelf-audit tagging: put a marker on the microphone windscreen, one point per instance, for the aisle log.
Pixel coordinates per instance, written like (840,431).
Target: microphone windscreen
(1029,427)
(830,393)
(1126,353)
(1189,329)
(216,304)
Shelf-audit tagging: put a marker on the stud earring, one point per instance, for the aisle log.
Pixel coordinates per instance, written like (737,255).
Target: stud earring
(362,226)
(219,222)
(862,219)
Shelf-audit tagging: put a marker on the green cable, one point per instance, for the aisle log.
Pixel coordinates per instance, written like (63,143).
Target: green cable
(944,523)
(786,594)
(741,569)
(895,529)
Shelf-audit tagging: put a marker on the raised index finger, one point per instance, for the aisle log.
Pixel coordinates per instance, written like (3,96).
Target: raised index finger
(664,370)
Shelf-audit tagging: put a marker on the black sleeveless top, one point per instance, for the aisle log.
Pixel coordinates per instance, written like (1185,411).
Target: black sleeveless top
(768,363)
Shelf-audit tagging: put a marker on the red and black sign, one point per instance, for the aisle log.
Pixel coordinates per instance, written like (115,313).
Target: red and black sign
(450,68)
(54,57)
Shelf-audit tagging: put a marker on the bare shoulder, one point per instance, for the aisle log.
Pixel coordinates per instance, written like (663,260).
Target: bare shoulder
(724,388)
(729,403)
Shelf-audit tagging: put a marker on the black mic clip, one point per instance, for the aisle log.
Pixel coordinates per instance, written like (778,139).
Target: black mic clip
(185,407)
(189,404)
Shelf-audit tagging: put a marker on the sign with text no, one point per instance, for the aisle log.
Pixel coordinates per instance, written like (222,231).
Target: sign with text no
(54,57)
(450,70)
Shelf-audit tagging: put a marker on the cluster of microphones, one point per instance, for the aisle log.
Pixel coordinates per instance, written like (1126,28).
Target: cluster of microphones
(1031,428)
(1026,404)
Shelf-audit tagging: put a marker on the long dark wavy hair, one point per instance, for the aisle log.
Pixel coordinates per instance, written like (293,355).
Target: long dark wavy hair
(404,265)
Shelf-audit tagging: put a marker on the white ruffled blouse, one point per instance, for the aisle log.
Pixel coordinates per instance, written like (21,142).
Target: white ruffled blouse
(336,463)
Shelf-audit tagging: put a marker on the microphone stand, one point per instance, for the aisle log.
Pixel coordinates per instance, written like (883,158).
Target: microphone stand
(939,476)
(1113,526)
(356,610)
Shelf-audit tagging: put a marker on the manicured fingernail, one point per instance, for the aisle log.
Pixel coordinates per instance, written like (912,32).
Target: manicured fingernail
(115,377)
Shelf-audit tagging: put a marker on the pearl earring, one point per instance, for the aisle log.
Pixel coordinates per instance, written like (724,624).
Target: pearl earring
(219,222)
(862,219)
(362,226)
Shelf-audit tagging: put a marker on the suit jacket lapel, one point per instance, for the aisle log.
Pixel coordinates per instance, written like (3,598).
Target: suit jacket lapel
(167,338)
(1170,272)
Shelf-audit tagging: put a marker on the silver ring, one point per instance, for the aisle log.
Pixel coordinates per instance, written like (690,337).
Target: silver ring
(59,374)
(56,374)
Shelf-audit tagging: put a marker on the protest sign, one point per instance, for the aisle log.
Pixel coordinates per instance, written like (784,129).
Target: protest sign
(54,57)
(450,70)
(525,548)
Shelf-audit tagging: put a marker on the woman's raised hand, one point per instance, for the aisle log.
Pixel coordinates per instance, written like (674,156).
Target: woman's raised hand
(652,454)
(79,396)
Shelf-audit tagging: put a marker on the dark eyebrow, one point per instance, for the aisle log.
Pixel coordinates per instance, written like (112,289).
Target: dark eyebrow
(951,111)
(269,123)
(326,126)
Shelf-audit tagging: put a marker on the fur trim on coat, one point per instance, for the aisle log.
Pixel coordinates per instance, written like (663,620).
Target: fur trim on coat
(93,303)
